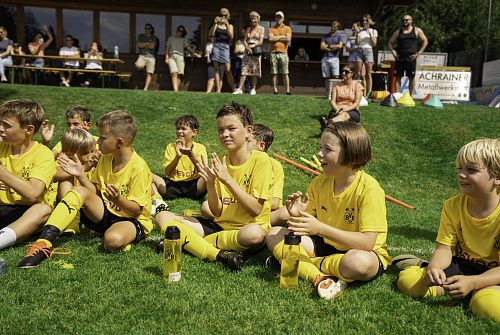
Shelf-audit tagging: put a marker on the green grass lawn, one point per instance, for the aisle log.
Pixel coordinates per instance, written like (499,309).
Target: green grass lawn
(414,153)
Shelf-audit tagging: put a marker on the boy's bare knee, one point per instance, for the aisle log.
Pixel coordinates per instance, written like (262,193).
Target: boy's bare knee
(162,218)
(359,265)
(274,236)
(114,241)
(252,235)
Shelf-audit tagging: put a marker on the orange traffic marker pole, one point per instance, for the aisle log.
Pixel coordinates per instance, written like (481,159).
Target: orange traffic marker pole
(305,168)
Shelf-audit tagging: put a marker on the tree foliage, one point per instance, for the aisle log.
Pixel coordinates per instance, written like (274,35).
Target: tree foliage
(450,25)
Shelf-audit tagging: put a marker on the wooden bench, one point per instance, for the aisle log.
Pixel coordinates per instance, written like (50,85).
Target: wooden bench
(102,73)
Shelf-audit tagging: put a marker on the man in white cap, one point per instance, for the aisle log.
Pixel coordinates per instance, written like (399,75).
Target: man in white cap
(280,36)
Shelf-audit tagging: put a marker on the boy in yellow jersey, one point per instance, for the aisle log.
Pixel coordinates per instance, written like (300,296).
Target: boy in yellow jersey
(181,157)
(117,202)
(78,147)
(342,219)
(466,262)
(76,117)
(26,171)
(261,139)
(238,188)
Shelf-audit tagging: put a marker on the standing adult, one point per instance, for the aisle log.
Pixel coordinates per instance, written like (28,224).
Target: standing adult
(254,38)
(147,44)
(407,51)
(69,51)
(38,45)
(222,33)
(280,36)
(366,38)
(5,52)
(174,55)
(346,96)
(352,47)
(330,44)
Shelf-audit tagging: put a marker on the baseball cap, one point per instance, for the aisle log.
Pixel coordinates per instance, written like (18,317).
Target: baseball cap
(280,13)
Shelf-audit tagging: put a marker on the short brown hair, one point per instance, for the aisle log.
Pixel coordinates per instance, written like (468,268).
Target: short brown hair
(484,153)
(120,124)
(27,112)
(241,111)
(354,140)
(188,120)
(77,141)
(81,111)
(262,133)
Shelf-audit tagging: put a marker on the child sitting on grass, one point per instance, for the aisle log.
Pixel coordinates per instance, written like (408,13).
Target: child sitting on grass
(466,261)
(342,219)
(239,196)
(120,208)
(180,162)
(26,171)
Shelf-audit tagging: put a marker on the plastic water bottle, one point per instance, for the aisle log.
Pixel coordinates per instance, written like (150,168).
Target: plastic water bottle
(172,254)
(289,277)
(3,266)
(116,52)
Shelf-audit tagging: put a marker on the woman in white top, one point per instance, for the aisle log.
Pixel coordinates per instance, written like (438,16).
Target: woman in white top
(69,51)
(366,38)
(94,55)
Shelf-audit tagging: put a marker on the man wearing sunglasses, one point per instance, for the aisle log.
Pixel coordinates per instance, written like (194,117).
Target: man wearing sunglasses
(407,50)
(147,44)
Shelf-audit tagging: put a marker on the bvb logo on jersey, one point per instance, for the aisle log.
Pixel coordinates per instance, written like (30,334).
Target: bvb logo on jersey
(25,173)
(349,215)
(123,190)
(496,244)
(246,180)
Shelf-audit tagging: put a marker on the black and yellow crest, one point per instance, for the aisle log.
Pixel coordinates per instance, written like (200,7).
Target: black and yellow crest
(496,244)
(349,215)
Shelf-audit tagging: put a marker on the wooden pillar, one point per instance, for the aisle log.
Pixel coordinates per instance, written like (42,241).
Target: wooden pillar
(20,25)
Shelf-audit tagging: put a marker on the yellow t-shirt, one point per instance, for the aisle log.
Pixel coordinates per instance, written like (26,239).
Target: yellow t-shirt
(134,182)
(58,146)
(278,180)
(359,208)
(476,240)
(255,177)
(38,162)
(185,169)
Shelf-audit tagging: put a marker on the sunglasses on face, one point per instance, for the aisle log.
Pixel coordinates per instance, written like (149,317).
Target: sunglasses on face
(364,20)
(346,71)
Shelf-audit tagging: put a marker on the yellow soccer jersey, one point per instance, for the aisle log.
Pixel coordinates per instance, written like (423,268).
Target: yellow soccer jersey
(58,146)
(359,208)
(476,240)
(185,169)
(38,162)
(255,177)
(134,182)
(278,180)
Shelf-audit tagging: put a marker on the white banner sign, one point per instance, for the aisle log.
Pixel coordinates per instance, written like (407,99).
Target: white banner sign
(447,85)
(426,59)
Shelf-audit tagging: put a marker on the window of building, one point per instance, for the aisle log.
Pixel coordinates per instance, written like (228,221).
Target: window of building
(114,30)
(34,20)
(158,22)
(193,29)
(78,23)
(8,21)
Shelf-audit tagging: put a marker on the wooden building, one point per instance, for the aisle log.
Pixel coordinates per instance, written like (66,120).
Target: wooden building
(118,23)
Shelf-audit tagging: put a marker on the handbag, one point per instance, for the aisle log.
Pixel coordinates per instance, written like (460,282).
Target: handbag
(257,51)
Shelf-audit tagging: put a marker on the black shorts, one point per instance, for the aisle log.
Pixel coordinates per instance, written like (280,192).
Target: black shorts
(322,249)
(354,115)
(11,213)
(209,226)
(405,65)
(463,267)
(182,189)
(109,219)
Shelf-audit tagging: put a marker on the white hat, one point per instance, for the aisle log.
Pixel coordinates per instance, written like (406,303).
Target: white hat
(280,13)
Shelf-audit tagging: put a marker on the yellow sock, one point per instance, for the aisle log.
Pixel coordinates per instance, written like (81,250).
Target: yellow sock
(411,282)
(74,226)
(486,303)
(331,265)
(307,270)
(192,242)
(66,210)
(225,240)
(156,196)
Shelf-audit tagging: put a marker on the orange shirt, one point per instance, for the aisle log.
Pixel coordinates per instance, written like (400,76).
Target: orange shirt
(280,46)
(346,94)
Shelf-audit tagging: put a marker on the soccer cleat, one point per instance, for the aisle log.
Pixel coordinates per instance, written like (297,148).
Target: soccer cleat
(404,261)
(233,260)
(159,247)
(329,288)
(157,206)
(273,264)
(37,253)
